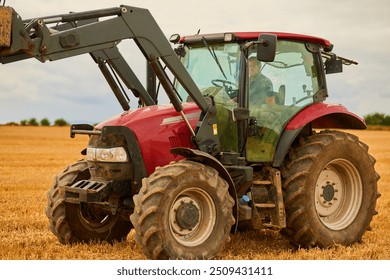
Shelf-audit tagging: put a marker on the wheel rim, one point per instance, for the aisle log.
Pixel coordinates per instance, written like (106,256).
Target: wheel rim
(93,218)
(192,217)
(338,194)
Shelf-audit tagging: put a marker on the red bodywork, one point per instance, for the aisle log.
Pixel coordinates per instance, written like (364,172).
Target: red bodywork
(158,129)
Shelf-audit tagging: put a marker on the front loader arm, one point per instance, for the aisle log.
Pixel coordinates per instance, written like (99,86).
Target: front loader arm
(117,63)
(61,36)
(97,33)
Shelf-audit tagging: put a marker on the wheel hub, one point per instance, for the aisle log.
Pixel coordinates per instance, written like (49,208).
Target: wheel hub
(328,192)
(192,217)
(187,216)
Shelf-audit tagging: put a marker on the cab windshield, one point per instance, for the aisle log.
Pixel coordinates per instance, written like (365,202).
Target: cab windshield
(212,66)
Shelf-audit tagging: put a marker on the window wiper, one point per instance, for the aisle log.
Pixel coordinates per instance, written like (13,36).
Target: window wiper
(212,52)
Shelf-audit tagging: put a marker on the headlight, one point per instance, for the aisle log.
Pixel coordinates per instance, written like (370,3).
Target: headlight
(117,154)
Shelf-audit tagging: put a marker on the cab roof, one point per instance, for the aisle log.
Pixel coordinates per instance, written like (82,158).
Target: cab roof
(246,36)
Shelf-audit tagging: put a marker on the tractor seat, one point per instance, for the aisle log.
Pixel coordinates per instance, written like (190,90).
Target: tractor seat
(280,95)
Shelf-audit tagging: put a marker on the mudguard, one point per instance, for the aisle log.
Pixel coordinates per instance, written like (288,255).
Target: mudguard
(320,116)
(323,115)
(205,158)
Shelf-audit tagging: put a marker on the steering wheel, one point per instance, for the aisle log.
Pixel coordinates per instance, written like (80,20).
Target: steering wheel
(230,87)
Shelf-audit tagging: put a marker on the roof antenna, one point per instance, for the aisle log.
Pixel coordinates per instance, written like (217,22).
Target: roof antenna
(4,3)
(198,32)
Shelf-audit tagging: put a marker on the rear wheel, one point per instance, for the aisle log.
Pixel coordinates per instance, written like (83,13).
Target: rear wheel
(183,211)
(83,222)
(330,190)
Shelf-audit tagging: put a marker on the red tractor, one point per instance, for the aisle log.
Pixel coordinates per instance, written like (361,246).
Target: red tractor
(246,142)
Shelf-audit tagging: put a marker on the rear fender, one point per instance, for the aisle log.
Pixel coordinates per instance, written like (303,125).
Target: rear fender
(323,115)
(316,116)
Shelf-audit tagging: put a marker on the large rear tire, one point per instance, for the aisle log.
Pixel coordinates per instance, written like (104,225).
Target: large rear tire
(330,190)
(72,223)
(183,211)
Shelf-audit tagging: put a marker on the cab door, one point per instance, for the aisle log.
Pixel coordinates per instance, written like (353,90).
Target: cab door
(284,87)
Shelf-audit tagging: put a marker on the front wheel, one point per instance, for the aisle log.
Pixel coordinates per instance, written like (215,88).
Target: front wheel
(183,211)
(330,190)
(83,222)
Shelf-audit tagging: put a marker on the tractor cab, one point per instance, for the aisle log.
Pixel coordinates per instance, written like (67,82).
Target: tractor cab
(241,71)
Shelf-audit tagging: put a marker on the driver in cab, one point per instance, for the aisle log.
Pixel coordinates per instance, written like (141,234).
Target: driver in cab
(260,87)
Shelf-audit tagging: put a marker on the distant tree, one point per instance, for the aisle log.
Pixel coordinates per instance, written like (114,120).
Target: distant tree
(23,122)
(32,122)
(45,122)
(374,119)
(386,120)
(60,122)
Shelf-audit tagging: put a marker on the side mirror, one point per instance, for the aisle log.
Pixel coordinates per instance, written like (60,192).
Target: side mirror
(175,38)
(266,47)
(333,65)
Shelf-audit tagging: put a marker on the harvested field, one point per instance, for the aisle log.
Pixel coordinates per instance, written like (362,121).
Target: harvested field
(31,156)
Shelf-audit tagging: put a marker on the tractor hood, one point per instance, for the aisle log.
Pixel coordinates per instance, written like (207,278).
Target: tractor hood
(152,117)
(157,130)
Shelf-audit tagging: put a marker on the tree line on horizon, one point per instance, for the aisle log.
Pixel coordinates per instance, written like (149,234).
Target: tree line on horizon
(42,122)
(375,119)
(379,119)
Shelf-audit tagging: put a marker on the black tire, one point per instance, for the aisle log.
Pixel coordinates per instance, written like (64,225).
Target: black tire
(330,190)
(73,223)
(183,211)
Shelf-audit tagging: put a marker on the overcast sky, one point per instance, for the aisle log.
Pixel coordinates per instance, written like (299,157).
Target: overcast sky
(74,88)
